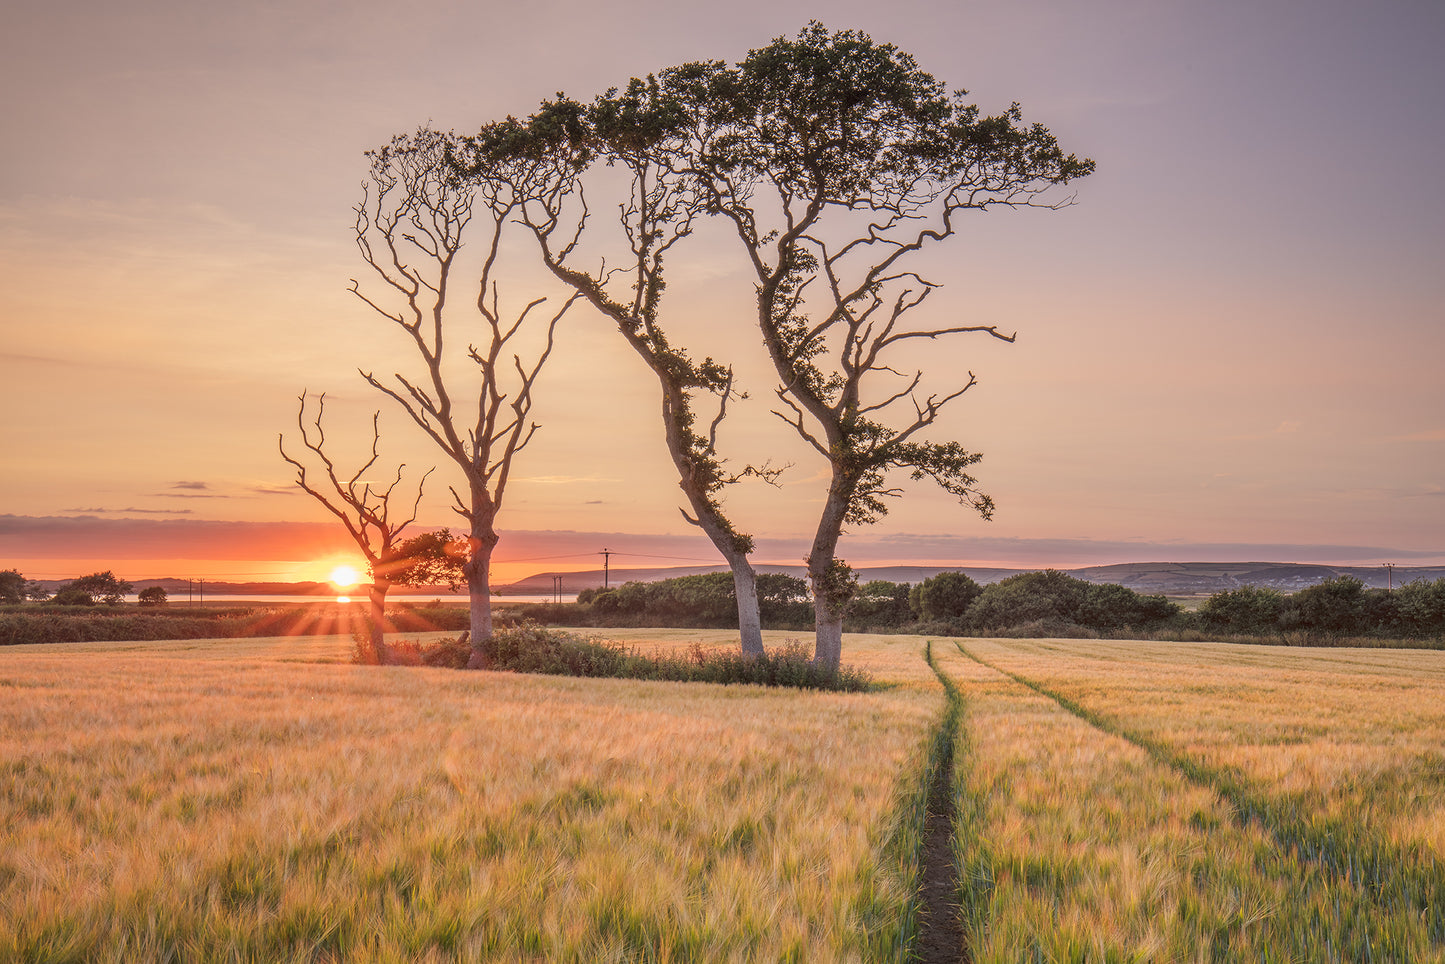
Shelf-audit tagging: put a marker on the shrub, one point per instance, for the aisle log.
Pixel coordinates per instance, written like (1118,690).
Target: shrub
(529,648)
(1420,607)
(1248,610)
(946,596)
(1334,607)
(881,603)
(1026,598)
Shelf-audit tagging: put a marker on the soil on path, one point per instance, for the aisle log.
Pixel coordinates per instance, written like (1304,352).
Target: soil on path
(940,932)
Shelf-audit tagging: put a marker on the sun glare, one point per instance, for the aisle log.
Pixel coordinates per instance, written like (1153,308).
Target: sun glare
(344,576)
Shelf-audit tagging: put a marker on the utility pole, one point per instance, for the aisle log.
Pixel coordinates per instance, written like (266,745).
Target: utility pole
(1390,568)
(556,589)
(606,553)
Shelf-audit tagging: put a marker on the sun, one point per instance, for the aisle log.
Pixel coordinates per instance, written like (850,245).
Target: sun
(343,576)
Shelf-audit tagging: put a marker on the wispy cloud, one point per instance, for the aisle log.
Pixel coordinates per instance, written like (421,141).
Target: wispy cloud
(272,488)
(565,479)
(133,510)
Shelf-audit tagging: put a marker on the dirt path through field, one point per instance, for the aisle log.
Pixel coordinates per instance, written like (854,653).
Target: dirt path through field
(940,934)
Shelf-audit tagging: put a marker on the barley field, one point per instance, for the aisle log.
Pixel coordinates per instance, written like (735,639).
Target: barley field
(264,800)
(1138,801)
(261,800)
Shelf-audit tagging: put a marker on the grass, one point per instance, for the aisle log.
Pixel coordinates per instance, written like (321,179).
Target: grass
(530,648)
(1097,838)
(262,800)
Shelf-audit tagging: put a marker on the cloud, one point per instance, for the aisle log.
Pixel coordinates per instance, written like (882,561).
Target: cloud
(1432,435)
(191,485)
(134,509)
(271,488)
(565,479)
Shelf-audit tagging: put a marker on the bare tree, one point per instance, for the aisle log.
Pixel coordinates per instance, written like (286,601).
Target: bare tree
(638,132)
(836,160)
(364,507)
(409,229)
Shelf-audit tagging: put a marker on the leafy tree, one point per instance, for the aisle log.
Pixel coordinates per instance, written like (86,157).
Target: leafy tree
(1334,607)
(1248,610)
(882,603)
(12,587)
(947,595)
(1112,607)
(152,596)
(640,132)
(1028,597)
(35,591)
(1421,607)
(98,586)
(410,227)
(836,159)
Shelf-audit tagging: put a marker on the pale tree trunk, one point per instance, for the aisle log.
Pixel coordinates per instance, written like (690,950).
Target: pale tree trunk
(376,598)
(750,620)
(832,589)
(479,590)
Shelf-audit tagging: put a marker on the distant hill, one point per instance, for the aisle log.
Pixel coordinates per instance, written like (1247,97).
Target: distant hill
(1168,578)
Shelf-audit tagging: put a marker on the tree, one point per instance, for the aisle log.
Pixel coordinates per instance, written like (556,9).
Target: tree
(1028,597)
(1248,611)
(12,587)
(1332,608)
(85,591)
(946,595)
(836,159)
(152,596)
(641,132)
(883,603)
(409,229)
(1111,607)
(1421,607)
(365,509)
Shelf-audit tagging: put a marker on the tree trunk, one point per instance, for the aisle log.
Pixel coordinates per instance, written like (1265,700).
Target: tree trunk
(832,591)
(828,633)
(750,620)
(479,590)
(376,597)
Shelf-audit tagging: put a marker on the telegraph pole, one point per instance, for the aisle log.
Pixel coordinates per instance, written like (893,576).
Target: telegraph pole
(1390,568)
(605,554)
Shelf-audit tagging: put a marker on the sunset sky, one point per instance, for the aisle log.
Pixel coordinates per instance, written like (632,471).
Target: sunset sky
(1230,347)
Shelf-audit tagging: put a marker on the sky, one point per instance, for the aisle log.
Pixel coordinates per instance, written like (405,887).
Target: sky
(1228,346)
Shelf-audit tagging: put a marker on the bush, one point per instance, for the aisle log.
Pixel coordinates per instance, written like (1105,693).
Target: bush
(881,603)
(1248,610)
(1335,607)
(945,596)
(1026,598)
(1420,607)
(529,648)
